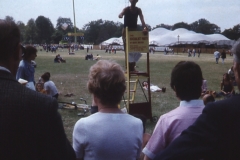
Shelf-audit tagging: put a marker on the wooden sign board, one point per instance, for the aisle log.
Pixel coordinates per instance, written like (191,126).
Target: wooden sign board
(75,34)
(138,42)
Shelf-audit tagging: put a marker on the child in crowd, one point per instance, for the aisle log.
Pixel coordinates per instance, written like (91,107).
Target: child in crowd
(49,86)
(39,88)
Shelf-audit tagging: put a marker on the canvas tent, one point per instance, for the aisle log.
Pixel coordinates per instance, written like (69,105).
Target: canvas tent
(165,37)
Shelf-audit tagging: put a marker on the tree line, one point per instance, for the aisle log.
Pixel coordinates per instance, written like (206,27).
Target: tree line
(42,31)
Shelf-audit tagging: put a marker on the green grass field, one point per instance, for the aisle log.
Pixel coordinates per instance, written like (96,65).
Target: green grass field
(71,77)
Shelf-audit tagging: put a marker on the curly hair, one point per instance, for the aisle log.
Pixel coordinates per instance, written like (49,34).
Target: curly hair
(186,80)
(107,82)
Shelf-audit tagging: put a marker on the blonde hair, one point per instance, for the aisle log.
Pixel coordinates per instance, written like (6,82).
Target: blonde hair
(107,82)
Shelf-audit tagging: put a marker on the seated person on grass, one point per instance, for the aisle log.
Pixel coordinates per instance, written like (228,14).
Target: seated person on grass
(59,59)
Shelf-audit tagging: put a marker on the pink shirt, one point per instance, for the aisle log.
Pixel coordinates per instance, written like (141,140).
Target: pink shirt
(171,125)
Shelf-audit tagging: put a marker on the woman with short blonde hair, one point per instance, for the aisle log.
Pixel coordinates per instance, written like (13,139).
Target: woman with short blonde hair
(109,133)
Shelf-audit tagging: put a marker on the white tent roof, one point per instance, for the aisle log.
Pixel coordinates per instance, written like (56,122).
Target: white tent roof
(113,40)
(165,37)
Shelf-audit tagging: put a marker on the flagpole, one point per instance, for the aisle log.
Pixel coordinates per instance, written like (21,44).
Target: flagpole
(75,37)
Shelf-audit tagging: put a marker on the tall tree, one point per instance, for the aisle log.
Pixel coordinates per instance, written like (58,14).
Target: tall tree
(232,33)
(205,27)
(31,32)
(100,30)
(61,21)
(45,29)
(162,25)
(9,19)
(22,29)
(181,25)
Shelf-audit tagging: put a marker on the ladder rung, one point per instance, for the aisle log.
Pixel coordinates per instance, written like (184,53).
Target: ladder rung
(127,100)
(132,81)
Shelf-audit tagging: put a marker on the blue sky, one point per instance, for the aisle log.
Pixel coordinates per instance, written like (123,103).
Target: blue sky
(224,13)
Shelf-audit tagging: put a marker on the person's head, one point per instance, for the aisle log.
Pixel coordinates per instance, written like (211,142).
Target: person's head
(144,83)
(39,87)
(30,53)
(226,77)
(236,62)
(10,48)
(208,98)
(107,82)
(46,76)
(133,2)
(186,80)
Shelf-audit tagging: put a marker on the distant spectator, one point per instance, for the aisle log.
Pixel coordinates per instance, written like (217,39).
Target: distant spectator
(204,86)
(59,59)
(49,85)
(25,69)
(216,55)
(39,88)
(227,88)
(208,98)
(223,56)
(199,52)
(89,57)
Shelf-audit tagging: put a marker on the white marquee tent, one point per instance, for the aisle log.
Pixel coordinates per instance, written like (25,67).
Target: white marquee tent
(165,37)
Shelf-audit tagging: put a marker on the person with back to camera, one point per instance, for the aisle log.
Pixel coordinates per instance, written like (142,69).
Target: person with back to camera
(49,86)
(215,134)
(31,127)
(108,134)
(130,20)
(223,55)
(25,69)
(216,55)
(170,125)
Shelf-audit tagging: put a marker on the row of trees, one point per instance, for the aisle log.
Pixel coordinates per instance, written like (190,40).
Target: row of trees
(41,30)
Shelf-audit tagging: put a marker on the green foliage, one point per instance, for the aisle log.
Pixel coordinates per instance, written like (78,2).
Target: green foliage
(9,19)
(205,27)
(100,30)
(181,25)
(232,33)
(31,32)
(45,29)
(22,29)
